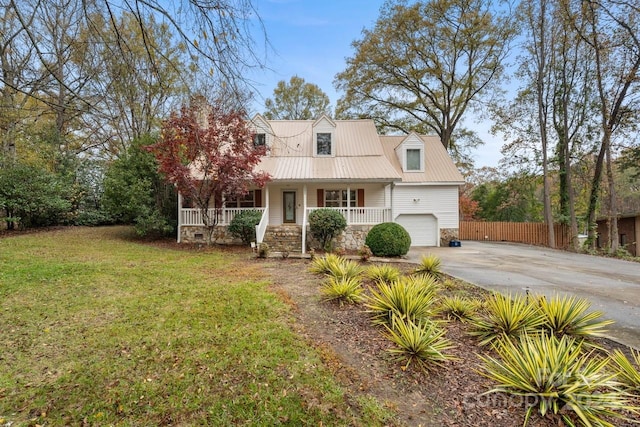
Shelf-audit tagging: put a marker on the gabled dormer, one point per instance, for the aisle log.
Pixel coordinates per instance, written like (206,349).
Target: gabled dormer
(324,137)
(263,133)
(410,153)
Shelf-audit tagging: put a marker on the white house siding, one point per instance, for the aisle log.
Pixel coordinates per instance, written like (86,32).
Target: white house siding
(374,197)
(439,201)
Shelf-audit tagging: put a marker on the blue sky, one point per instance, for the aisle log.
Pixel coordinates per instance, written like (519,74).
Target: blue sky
(312,39)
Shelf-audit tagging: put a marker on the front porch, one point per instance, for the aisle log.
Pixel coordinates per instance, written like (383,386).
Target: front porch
(362,205)
(359,222)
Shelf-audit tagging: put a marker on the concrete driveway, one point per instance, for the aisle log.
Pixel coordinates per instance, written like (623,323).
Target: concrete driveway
(612,286)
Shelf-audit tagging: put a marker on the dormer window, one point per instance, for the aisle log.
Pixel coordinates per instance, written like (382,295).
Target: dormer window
(259,140)
(323,144)
(414,159)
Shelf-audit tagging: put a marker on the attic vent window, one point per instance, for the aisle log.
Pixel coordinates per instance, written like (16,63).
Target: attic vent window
(259,140)
(413,159)
(323,144)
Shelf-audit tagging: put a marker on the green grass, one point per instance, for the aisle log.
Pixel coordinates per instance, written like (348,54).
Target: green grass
(96,328)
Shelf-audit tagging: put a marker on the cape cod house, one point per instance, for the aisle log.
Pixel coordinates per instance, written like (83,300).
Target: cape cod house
(344,165)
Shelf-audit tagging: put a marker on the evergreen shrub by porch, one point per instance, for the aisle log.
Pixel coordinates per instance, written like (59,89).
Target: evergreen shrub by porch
(243,225)
(388,239)
(325,224)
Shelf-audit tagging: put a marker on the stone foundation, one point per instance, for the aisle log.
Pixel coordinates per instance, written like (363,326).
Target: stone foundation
(352,238)
(195,234)
(448,234)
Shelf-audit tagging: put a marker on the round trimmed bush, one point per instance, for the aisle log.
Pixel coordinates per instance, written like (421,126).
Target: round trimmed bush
(243,225)
(388,239)
(325,224)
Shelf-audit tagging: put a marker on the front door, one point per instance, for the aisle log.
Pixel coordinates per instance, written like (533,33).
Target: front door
(289,206)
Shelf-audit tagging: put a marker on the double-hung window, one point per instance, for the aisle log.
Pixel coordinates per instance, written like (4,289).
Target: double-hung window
(414,159)
(323,144)
(338,199)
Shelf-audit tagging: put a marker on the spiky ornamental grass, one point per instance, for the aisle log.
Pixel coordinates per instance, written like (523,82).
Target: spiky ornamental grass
(430,265)
(405,298)
(507,316)
(423,343)
(324,265)
(346,269)
(382,273)
(568,315)
(460,308)
(555,374)
(343,289)
(627,371)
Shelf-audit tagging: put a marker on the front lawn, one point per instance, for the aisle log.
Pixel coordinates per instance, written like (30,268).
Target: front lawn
(97,329)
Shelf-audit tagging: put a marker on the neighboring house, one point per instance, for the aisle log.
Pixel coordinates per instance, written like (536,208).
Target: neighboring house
(345,165)
(628,233)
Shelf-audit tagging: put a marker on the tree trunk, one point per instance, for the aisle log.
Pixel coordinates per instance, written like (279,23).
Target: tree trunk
(614,241)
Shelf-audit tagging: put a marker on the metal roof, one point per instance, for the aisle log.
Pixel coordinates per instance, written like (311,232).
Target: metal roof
(438,166)
(360,155)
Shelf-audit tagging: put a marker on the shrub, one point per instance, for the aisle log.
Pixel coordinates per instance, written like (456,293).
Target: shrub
(365,253)
(570,316)
(558,375)
(343,289)
(422,342)
(263,250)
(627,372)
(383,273)
(400,300)
(345,269)
(507,317)
(459,308)
(32,196)
(325,224)
(388,239)
(325,264)
(243,225)
(136,193)
(429,265)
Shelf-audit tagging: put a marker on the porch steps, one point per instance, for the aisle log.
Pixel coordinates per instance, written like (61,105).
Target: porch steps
(282,238)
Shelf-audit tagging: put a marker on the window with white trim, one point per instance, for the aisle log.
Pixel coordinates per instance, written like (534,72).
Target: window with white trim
(414,159)
(338,198)
(246,201)
(259,139)
(323,144)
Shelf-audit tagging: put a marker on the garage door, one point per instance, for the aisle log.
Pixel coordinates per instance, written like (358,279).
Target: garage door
(423,229)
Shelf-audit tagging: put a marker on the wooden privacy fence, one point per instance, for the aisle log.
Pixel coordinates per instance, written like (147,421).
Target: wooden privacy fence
(533,233)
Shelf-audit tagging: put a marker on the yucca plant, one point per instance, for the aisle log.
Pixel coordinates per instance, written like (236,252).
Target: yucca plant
(568,315)
(400,300)
(324,265)
(383,273)
(555,373)
(343,289)
(430,265)
(423,343)
(346,269)
(506,316)
(458,307)
(627,371)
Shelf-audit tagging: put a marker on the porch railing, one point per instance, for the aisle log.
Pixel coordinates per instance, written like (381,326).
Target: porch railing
(193,216)
(362,216)
(261,228)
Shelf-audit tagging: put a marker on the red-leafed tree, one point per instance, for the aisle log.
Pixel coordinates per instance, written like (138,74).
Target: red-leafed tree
(208,154)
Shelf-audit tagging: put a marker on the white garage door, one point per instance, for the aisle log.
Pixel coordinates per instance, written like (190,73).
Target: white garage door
(423,229)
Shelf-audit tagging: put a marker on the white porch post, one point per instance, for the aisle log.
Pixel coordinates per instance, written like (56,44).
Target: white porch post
(304,218)
(179,215)
(348,205)
(391,202)
(266,196)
